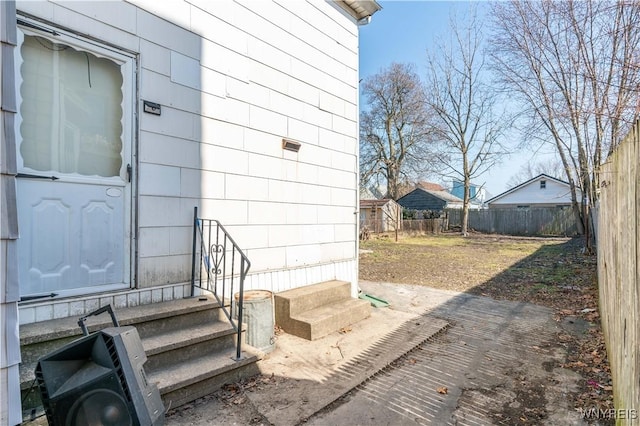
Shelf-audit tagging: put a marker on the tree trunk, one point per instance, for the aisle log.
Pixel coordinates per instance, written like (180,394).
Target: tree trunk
(465,206)
(577,212)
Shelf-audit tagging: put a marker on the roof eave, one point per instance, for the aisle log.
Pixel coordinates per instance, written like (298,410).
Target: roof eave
(359,9)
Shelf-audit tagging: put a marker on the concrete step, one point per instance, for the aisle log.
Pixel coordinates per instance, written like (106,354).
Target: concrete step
(198,311)
(164,349)
(68,327)
(293,302)
(189,343)
(188,380)
(38,339)
(323,320)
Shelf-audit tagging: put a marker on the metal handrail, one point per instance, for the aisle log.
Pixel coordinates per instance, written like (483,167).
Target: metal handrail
(222,265)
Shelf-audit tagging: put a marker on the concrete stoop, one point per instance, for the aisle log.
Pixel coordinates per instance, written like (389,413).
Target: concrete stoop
(189,343)
(316,310)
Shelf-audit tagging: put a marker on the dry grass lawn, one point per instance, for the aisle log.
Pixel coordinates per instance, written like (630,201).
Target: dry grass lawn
(551,272)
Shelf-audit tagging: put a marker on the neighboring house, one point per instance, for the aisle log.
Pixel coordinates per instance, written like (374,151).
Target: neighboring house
(380,215)
(430,186)
(430,199)
(120,116)
(477,193)
(370,193)
(540,191)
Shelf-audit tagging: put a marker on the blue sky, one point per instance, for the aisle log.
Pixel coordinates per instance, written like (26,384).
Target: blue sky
(402,32)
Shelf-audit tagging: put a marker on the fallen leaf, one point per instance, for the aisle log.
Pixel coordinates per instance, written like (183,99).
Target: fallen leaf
(443,390)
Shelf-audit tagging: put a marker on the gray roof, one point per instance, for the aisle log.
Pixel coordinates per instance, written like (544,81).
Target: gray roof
(423,199)
(444,195)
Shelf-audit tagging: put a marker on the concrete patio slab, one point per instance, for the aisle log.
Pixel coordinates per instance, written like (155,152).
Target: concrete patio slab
(432,358)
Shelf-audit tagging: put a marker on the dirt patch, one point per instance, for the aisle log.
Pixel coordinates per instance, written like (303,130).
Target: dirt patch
(229,405)
(552,272)
(528,406)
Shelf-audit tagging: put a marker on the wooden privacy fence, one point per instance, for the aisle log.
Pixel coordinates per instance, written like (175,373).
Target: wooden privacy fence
(618,240)
(377,225)
(425,226)
(534,221)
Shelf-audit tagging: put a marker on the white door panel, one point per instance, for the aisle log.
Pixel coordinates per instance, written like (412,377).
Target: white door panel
(72,237)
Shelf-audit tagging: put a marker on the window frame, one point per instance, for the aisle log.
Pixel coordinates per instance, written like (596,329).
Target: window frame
(127,63)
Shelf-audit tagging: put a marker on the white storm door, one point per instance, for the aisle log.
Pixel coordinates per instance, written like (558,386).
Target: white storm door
(71,236)
(74,155)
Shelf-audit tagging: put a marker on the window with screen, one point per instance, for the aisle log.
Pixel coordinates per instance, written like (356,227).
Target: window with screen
(71,109)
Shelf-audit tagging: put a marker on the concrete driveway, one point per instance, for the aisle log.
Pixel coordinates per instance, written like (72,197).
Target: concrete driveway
(496,364)
(432,358)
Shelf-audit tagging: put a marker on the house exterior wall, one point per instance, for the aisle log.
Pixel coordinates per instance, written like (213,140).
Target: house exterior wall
(10,410)
(554,194)
(457,189)
(477,193)
(528,205)
(233,79)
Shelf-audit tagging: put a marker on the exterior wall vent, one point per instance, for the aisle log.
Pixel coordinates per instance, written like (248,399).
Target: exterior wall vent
(291,145)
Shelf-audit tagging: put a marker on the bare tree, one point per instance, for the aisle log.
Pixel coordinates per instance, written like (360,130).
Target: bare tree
(574,65)
(464,108)
(530,170)
(394,131)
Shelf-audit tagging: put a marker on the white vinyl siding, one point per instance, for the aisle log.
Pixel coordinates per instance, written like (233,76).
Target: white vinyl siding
(233,79)
(273,70)
(534,194)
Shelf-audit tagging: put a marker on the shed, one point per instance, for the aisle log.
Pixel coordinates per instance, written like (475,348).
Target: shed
(380,215)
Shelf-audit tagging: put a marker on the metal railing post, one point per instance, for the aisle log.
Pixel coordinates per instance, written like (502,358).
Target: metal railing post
(193,251)
(240,306)
(214,257)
